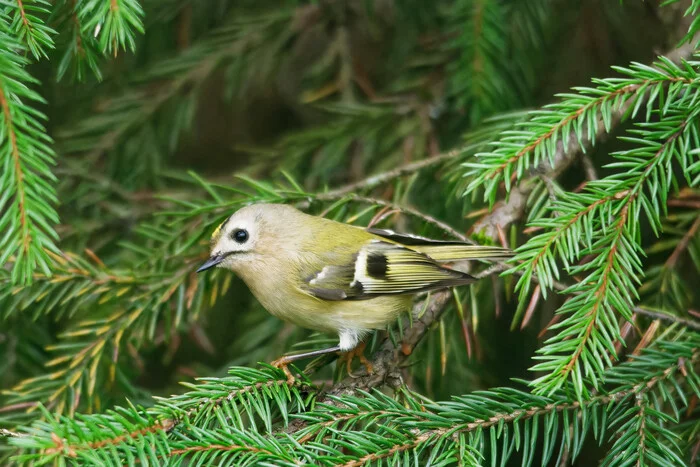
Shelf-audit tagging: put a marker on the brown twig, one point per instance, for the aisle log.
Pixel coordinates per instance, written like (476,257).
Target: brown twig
(5,433)
(689,323)
(447,228)
(683,244)
(23,14)
(589,168)
(384,177)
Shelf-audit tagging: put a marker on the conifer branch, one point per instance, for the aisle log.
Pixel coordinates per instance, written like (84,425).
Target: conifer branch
(114,23)
(478,77)
(374,181)
(666,317)
(575,118)
(133,115)
(86,357)
(320,425)
(31,29)
(81,52)
(351,430)
(388,360)
(609,287)
(179,410)
(28,196)
(400,208)
(566,227)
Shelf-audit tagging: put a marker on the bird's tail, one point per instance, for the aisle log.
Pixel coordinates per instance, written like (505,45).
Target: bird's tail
(448,253)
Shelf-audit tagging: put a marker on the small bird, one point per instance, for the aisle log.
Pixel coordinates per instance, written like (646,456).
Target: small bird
(333,277)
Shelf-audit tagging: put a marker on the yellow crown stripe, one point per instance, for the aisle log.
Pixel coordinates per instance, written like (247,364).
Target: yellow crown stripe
(217,231)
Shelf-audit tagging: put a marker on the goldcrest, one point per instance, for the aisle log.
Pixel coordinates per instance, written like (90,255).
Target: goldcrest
(333,277)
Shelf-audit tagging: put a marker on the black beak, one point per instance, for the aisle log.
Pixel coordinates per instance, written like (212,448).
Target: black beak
(211,262)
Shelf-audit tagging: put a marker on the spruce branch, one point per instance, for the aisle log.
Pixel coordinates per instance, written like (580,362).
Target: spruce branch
(692,324)
(642,439)
(131,122)
(27,212)
(199,409)
(231,403)
(389,359)
(114,23)
(575,117)
(86,357)
(570,227)
(81,52)
(371,426)
(28,25)
(478,78)
(345,415)
(607,229)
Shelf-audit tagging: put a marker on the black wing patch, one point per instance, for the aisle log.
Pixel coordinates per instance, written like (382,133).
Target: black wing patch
(377,265)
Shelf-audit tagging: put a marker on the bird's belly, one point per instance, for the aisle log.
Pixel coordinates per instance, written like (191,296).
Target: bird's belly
(334,316)
(298,307)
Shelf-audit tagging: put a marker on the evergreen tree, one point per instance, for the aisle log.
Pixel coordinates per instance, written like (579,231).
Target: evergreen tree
(568,131)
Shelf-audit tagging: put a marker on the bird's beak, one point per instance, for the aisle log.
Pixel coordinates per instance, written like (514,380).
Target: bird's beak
(211,262)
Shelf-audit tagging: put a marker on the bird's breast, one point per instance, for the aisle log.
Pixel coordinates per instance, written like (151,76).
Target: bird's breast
(283,298)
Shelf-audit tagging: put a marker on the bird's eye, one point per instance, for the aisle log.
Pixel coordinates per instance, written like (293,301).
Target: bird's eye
(240,235)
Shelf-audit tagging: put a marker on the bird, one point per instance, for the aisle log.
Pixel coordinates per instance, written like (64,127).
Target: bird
(333,277)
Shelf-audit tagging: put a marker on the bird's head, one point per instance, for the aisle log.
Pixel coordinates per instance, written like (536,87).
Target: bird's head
(249,232)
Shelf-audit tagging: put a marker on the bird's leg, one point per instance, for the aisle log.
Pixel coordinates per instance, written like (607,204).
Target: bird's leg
(283,362)
(359,352)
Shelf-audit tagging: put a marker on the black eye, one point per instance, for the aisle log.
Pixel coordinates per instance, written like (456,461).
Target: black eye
(240,235)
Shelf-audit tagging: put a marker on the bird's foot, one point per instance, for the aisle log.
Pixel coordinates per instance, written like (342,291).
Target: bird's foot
(358,352)
(283,364)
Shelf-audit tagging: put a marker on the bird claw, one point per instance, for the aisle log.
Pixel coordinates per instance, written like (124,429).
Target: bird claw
(358,352)
(282,363)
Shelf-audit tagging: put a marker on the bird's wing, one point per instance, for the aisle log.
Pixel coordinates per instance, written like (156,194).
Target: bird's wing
(409,239)
(381,268)
(445,250)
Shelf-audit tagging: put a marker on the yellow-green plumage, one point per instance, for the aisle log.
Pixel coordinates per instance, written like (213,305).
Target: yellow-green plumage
(333,277)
